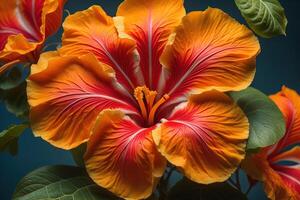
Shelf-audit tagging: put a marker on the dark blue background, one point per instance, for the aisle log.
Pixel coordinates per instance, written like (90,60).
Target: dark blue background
(277,65)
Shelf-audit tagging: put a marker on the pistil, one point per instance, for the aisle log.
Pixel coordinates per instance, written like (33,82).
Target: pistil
(155,107)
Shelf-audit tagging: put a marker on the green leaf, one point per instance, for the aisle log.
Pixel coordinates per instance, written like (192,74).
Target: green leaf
(267,124)
(59,183)
(16,101)
(265,17)
(78,153)
(13,91)
(2,94)
(11,79)
(9,138)
(188,190)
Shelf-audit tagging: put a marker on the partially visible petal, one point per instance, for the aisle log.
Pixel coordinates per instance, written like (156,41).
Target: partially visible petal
(275,186)
(292,155)
(7,66)
(150,23)
(209,51)
(281,181)
(31,11)
(290,174)
(121,156)
(52,19)
(17,47)
(16,18)
(291,178)
(3,39)
(24,25)
(255,164)
(294,98)
(288,101)
(93,31)
(205,138)
(66,94)
(258,167)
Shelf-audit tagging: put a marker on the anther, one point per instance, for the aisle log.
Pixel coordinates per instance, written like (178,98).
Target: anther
(139,95)
(145,96)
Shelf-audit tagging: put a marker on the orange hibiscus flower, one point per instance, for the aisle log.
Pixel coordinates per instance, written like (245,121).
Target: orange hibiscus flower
(24,27)
(281,179)
(144,88)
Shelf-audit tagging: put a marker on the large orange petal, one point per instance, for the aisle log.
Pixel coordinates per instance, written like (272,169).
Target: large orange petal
(121,156)
(66,95)
(150,23)
(205,138)
(209,50)
(93,31)
(288,102)
(25,24)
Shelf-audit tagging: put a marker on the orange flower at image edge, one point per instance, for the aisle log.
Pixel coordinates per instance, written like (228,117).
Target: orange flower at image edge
(24,27)
(144,88)
(278,166)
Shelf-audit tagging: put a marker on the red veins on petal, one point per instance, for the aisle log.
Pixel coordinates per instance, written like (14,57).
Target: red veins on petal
(205,138)
(66,95)
(150,23)
(24,26)
(121,156)
(92,31)
(208,50)
(20,17)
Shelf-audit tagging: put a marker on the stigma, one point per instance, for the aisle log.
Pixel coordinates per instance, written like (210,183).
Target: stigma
(146,100)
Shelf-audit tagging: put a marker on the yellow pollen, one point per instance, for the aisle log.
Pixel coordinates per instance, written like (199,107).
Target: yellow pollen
(145,99)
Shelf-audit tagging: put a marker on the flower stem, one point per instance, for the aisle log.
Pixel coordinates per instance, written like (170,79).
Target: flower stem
(163,184)
(237,177)
(251,183)
(232,183)
(249,189)
(172,169)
